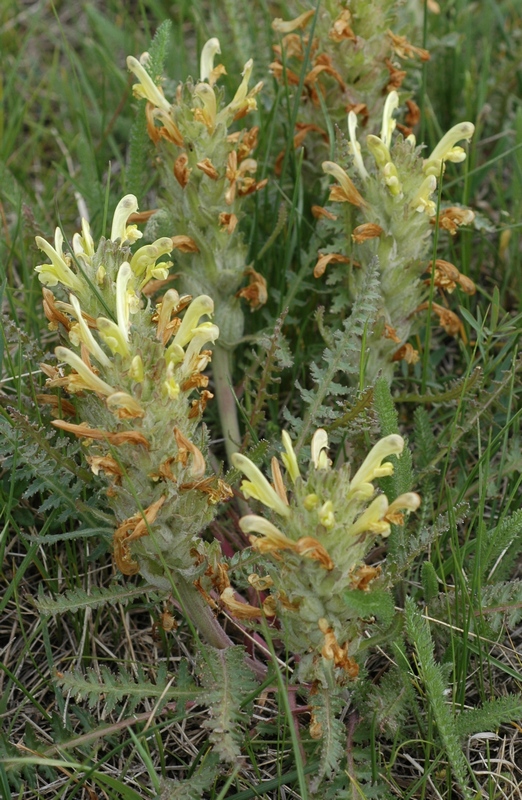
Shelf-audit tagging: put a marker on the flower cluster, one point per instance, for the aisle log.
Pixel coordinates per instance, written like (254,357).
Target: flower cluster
(137,372)
(323,525)
(206,172)
(354,60)
(386,212)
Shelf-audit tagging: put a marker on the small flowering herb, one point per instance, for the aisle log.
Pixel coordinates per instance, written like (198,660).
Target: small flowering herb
(388,206)
(137,370)
(323,526)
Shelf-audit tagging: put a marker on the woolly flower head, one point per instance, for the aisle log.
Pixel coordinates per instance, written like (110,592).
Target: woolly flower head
(137,370)
(322,526)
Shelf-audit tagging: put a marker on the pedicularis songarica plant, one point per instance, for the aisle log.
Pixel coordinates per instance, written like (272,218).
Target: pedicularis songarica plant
(207,169)
(137,371)
(383,212)
(317,530)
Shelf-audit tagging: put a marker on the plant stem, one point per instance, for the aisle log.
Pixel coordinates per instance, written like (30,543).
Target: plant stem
(226,399)
(206,623)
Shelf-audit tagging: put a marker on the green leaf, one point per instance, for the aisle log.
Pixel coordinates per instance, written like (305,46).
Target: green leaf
(434,683)
(374,603)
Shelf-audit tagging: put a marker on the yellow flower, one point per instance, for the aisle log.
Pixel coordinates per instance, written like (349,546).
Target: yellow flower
(208,113)
(380,147)
(83,244)
(85,377)
(58,271)
(206,61)
(145,257)
(282,26)
(289,458)
(346,192)
(171,385)
(378,150)
(273,539)
(120,230)
(124,406)
(388,122)
(355,146)
(122,299)
(318,448)
(446,150)
(169,301)
(372,519)
(136,371)
(243,100)
(391,179)
(194,361)
(422,201)
(146,88)
(326,515)
(311,501)
(81,333)
(199,307)
(258,486)
(143,262)
(410,501)
(372,466)
(113,337)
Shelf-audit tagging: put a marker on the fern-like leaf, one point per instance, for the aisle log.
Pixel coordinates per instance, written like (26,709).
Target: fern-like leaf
(194,788)
(433,680)
(122,686)
(47,463)
(326,706)
(274,356)
(227,681)
(505,537)
(78,599)
(501,604)
(418,544)
(490,715)
(341,357)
